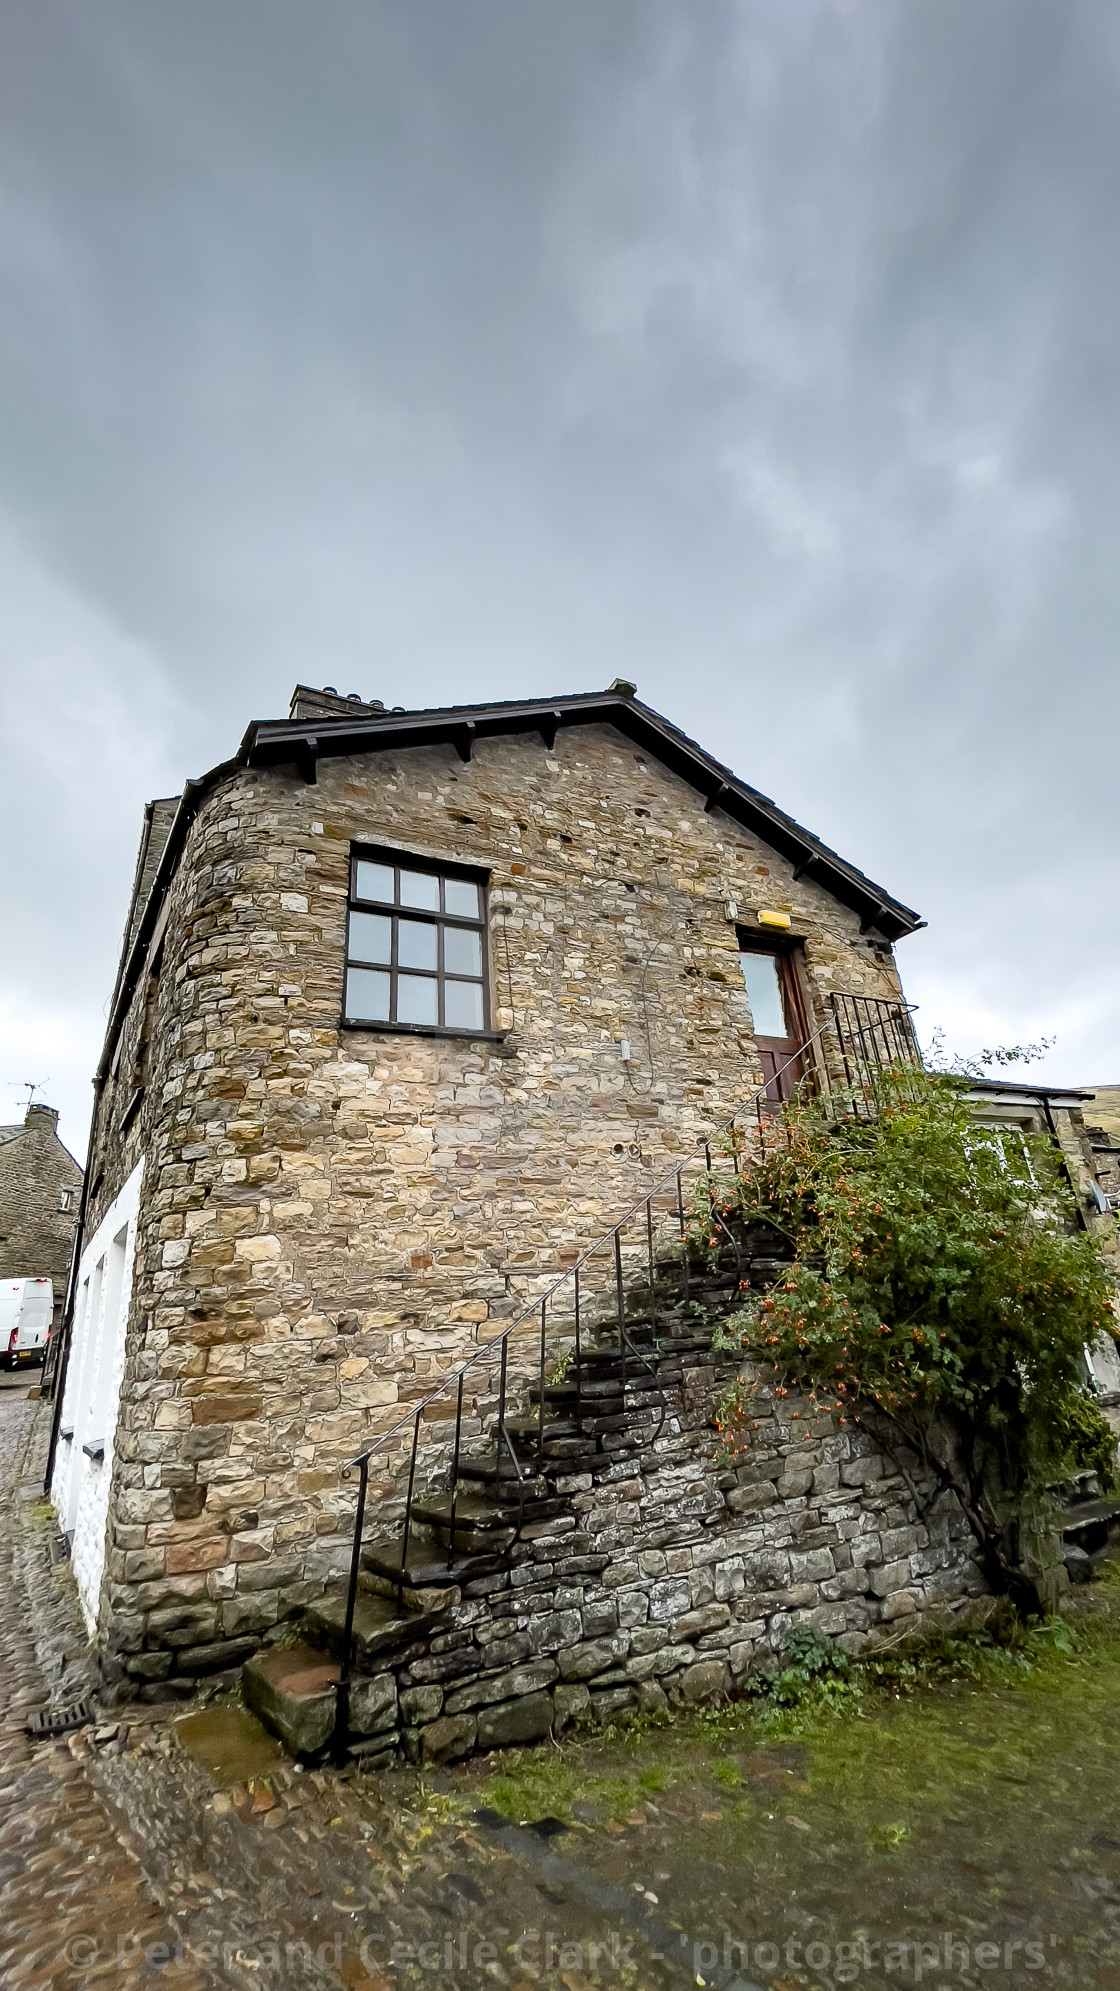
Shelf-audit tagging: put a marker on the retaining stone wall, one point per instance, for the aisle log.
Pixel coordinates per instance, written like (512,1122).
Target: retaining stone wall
(674,1582)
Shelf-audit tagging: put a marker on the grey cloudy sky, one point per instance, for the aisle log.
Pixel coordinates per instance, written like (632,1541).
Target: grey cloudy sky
(765,352)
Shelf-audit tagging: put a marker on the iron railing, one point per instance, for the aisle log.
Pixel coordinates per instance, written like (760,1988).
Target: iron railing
(874,1037)
(591,1314)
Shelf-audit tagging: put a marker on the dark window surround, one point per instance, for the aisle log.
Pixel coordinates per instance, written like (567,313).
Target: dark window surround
(787,950)
(442,869)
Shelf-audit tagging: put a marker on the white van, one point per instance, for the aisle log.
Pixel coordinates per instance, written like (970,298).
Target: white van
(26,1308)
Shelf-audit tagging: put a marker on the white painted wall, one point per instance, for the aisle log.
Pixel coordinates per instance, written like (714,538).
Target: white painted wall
(81,1480)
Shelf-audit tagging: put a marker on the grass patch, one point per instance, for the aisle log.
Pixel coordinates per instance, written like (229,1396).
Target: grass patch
(912,1734)
(547,1785)
(967,1779)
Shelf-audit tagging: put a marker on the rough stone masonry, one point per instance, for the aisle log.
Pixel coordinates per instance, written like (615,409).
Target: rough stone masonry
(40,1183)
(331,1218)
(670,1579)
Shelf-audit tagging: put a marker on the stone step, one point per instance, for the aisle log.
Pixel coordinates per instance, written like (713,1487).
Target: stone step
(433,1545)
(573,1455)
(291,1688)
(640,1399)
(650,1346)
(590,1433)
(471,1510)
(527,1428)
(1088,1524)
(565,1400)
(431,1577)
(503,1474)
(483,1513)
(639,1371)
(379,1627)
(591,1388)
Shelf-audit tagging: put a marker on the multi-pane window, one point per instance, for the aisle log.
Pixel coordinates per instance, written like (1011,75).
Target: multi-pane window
(415,945)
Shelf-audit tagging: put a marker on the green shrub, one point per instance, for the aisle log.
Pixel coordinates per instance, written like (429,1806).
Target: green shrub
(940,1294)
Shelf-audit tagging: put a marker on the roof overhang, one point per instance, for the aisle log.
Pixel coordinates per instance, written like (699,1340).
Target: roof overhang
(1004,1092)
(303,743)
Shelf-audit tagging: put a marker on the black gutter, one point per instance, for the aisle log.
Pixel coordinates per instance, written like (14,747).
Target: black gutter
(1028,1091)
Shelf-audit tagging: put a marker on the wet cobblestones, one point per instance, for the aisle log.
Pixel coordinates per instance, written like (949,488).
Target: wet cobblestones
(176,1847)
(124,1861)
(70,1894)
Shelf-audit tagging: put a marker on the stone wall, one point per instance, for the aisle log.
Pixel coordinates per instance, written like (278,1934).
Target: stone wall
(332,1218)
(36,1235)
(671,1581)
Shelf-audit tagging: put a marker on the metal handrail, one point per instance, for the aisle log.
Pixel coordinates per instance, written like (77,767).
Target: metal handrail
(570,1271)
(454,1379)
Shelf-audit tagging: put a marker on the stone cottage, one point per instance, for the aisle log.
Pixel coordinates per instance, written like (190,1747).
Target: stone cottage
(40,1190)
(1064,1116)
(411,1006)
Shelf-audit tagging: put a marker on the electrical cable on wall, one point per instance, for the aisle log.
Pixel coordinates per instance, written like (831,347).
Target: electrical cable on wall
(646,1032)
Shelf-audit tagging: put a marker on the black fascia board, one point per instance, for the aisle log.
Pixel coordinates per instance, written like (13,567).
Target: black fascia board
(1023,1086)
(272,743)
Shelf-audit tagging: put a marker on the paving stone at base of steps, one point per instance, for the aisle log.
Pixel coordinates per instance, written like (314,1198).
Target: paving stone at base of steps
(293,1690)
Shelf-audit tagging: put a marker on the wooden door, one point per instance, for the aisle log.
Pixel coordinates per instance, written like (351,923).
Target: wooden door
(770,975)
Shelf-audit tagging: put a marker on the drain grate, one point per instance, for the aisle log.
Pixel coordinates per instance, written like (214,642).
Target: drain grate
(58,1721)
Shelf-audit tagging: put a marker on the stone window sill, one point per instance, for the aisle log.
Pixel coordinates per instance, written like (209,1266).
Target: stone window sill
(426,1030)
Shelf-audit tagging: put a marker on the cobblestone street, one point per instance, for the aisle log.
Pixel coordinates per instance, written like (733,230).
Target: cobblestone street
(70,1891)
(176,1845)
(160,1841)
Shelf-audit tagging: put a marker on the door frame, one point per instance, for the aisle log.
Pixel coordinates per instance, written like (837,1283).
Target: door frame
(787,951)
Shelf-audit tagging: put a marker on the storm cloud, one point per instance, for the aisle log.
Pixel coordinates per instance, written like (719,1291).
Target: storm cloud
(763,352)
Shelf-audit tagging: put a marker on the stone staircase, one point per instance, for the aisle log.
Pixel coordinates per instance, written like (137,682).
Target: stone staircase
(471,1535)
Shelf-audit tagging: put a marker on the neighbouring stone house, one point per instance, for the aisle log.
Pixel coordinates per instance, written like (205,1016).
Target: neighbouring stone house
(1103,1131)
(40,1189)
(411,1006)
(1064,1115)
